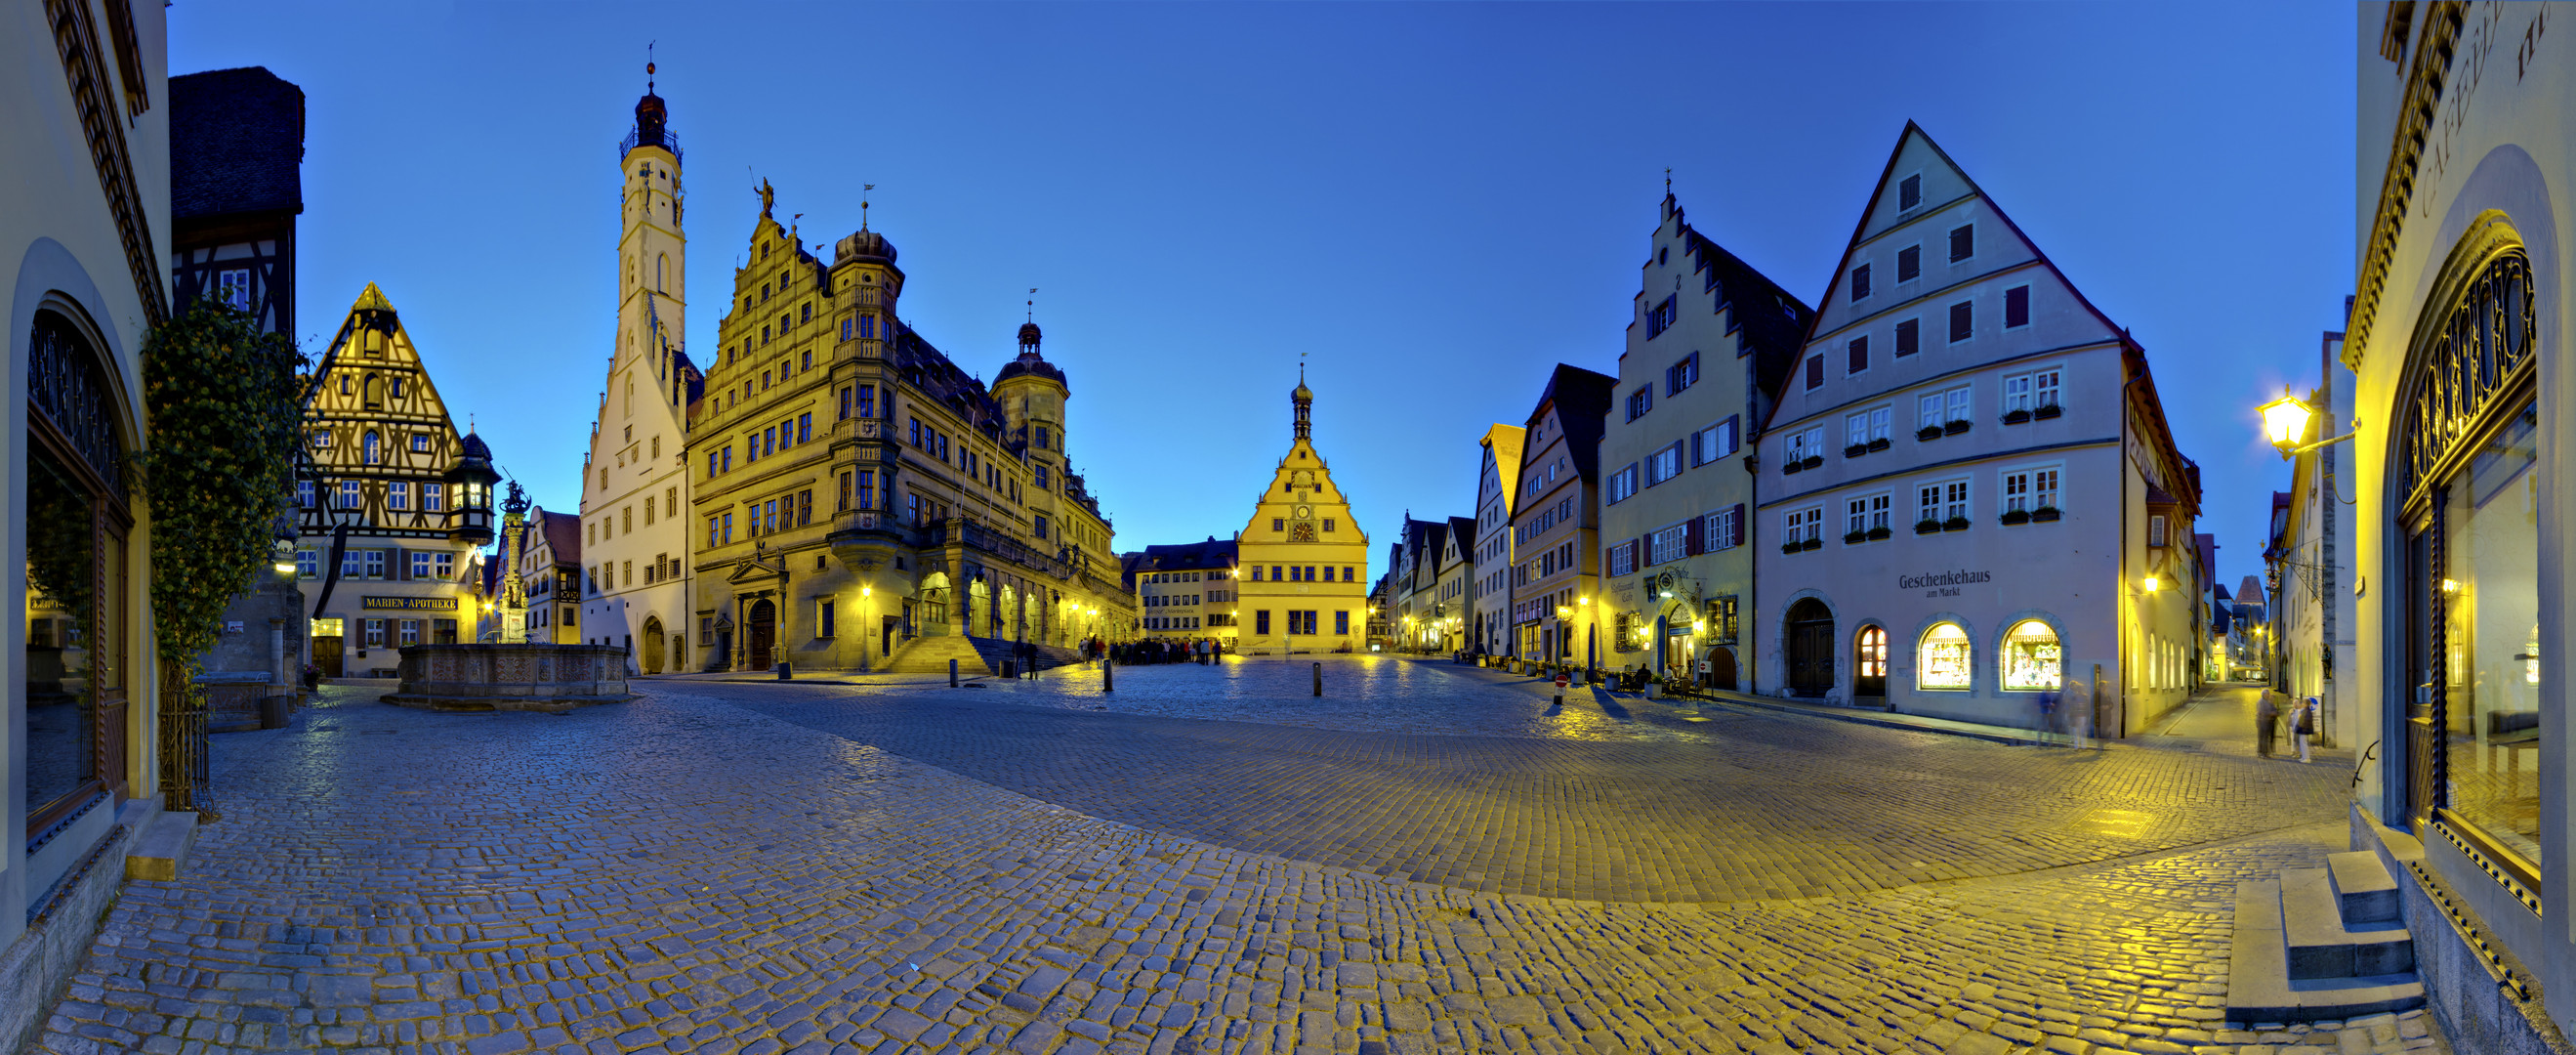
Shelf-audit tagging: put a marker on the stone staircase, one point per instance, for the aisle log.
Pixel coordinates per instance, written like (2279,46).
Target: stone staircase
(977,657)
(2321,944)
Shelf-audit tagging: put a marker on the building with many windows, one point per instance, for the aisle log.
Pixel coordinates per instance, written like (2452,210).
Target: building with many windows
(551,568)
(1431,584)
(635,479)
(1186,592)
(1710,343)
(396,508)
(1497,474)
(1304,558)
(1555,578)
(856,499)
(1968,495)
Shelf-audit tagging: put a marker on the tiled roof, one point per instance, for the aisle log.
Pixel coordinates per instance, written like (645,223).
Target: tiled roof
(563,536)
(236,143)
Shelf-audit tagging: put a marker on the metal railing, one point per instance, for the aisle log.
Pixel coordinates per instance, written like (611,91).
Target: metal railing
(670,141)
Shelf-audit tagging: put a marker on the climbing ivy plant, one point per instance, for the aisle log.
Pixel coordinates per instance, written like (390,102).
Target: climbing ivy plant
(223,405)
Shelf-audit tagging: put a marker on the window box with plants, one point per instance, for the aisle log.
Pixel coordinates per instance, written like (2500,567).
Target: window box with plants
(1792,466)
(2016,417)
(1955,524)
(1792,546)
(1956,427)
(1813,543)
(1927,526)
(1854,538)
(1880,532)
(2049,411)
(1812,461)
(2016,516)
(1878,444)
(1855,450)
(1928,433)
(2044,514)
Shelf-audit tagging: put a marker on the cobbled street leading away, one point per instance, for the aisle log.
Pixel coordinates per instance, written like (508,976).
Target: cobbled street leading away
(1430,859)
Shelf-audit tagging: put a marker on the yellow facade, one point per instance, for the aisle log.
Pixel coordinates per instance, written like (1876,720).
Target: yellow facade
(1304,581)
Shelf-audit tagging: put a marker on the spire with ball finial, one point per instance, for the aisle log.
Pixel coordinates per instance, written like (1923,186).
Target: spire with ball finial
(1304,398)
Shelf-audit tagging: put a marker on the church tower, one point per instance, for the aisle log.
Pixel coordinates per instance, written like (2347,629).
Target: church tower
(635,484)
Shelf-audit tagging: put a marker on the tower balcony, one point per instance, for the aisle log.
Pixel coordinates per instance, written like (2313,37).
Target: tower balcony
(664,138)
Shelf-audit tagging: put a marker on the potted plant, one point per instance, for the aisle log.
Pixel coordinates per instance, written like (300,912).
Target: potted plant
(1955,524)
(1792,546)
(1792,467)
(1928,433)
(1954,428)
(1878,444)
(2049,411)
(1880,532)
(2016,516)
(1927,526)
(1813,460)
(1813,543)
(1855,450)
(1854,538)
(2044,514)
(2016,417)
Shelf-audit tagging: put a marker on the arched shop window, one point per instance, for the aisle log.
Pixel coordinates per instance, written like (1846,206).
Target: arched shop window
(76,578)
(2032,660)
(1941,661)
(2467,470)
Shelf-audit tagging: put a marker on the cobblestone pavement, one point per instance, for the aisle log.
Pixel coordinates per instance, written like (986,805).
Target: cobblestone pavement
(687,874)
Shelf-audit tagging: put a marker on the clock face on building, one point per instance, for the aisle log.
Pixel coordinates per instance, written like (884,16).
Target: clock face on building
(1304,512)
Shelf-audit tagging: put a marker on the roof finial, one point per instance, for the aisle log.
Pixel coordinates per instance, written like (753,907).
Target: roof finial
(1668,181)
(1033,304)
(864,188)
(648,67)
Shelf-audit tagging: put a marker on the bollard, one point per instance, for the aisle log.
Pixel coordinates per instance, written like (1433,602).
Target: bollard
(1319,679)
(1560,699)
(1108,675)
(952,673)
(783,675)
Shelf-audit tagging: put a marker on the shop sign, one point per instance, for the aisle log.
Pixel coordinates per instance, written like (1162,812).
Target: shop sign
(1942,583)
(407,604)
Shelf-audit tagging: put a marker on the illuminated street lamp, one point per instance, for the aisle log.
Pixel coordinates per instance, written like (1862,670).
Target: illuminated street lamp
(2286,419)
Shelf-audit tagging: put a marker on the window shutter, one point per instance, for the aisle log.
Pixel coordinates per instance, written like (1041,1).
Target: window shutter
(1693,537)
(1737,525)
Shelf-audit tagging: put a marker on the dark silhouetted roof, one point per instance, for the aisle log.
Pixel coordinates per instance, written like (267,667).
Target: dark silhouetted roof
(563,536)
(1582,399)
(236,143)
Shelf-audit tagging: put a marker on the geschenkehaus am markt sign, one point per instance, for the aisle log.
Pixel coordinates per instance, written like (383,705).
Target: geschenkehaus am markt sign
(1943,583)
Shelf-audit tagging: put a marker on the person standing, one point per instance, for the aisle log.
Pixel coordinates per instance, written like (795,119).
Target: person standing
(2267,717)
(2303,725)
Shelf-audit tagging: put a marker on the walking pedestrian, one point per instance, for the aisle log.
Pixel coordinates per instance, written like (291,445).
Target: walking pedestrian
(2267,718)
(2048,718)
(2304,725)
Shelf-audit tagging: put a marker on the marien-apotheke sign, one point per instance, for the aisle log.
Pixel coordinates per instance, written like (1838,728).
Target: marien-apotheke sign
(408,604)
(1960,577)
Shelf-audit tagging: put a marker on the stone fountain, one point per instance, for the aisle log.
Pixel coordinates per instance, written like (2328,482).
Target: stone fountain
(513,674)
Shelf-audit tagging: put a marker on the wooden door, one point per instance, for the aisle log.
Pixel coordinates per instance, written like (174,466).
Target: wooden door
(759,633)
(652,646)
(1811,648)
(327,654)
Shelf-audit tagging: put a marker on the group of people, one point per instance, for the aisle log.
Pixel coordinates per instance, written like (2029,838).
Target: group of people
(1203,650)
(2268,715)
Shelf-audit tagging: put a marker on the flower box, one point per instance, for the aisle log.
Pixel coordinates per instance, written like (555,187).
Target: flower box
(1927,527)
(1880,532)
(2016,417)
(1855,450)
(1791,547)
(1854,538)
(1928,433)
(1956,427)
(1813,460)
(1813,543)
(1792,467)
(1955,524)
(2049,411)
(2016,516)
(2044,514)
(1879,444)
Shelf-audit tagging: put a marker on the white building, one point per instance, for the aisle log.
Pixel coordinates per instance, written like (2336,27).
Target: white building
(2311,555)
(1968,495)
(1497,476)
(635,481)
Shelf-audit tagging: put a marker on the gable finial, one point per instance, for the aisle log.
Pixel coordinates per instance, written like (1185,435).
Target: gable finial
(648,67)
(1668,181)
(864,188)
(1033,305)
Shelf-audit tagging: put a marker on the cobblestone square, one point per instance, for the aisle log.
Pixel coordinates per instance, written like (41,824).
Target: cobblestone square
(1429,858)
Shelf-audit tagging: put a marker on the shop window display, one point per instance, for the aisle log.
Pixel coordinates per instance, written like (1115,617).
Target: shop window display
(2491,646)
(2033,661)
(1942,661)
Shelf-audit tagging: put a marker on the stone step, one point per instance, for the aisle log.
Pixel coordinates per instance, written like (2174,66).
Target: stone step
(2362,883)
(2320,944)
(163,846)
(2259,986)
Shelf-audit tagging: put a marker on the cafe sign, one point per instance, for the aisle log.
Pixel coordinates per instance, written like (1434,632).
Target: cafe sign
(408,604)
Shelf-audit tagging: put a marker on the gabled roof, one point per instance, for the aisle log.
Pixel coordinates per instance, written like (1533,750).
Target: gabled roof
(2223,595)
(1774,322)
(1463,530)
(563,536)
(1582,399)
(236,143)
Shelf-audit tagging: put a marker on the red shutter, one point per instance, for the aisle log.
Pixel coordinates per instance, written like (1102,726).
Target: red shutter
(1692,542)
(1738,529)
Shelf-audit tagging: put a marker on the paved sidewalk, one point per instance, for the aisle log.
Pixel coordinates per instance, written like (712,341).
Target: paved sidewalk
(689,873)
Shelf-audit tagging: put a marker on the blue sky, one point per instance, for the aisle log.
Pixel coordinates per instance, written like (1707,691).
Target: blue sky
(1432,204)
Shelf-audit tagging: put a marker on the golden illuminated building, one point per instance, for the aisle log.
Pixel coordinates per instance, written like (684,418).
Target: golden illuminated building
(1304,558)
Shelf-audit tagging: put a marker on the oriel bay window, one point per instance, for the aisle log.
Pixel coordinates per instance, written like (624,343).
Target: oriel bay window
(76,609)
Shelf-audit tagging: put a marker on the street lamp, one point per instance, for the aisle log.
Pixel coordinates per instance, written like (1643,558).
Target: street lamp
(2286,419)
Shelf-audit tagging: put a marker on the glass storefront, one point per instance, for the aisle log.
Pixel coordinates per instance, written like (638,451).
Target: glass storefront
(62,600)
(2032,659)
(2491,638)
(1942,660)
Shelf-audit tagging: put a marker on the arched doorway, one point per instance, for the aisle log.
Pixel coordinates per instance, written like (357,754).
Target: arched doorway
(1869,667)
(1721,669)
(653,644)
(926,615)
(760,629)
(1811,648)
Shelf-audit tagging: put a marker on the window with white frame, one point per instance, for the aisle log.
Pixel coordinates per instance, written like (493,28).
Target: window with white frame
(2031,488)
(1865,426)
(445,566)
(398,495)
(375,563)
(2043,488)
(433,498)
(1958,399)
(1806,443)
(1623,558)
(2044,387)
(1664,464)
(2017,393)
(1930,412)
(1954,503)
(352,495)
(1714,442)
(1681,375)
(419,565)
(2156,530)
(308,564)
(1866,513)
(1623,483)
(1803,525)
(1669,544)
(1721,529)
